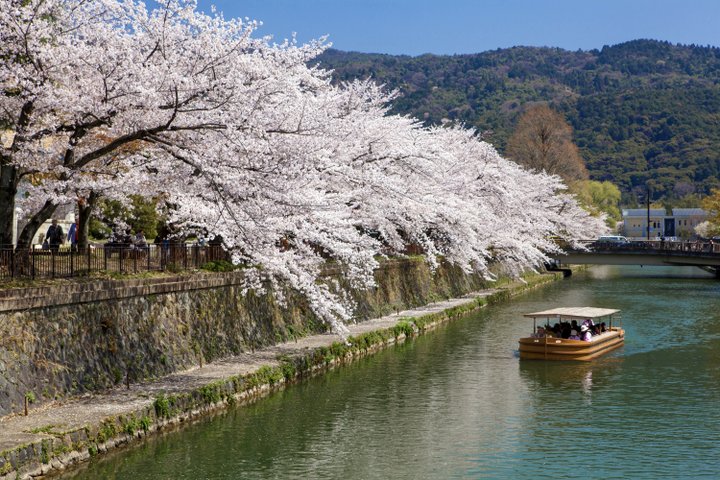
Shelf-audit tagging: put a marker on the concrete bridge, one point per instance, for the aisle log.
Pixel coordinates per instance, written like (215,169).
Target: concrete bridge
(705,255)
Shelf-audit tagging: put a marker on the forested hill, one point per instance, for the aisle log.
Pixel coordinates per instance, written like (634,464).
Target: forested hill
(644,112)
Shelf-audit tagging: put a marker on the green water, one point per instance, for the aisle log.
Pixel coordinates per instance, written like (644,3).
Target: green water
(459,404)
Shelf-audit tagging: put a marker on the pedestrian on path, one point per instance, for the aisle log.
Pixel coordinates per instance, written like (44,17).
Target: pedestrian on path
(72,235)
(55,235)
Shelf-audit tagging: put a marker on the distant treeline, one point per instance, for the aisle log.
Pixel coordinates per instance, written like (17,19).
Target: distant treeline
(645,113)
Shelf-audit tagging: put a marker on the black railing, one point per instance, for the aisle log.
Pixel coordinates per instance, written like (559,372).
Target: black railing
(655,247)
(66,261)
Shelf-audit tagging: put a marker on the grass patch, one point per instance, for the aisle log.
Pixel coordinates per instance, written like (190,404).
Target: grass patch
(211,393)
(219,266)
(108,429)
(145,423)
(46,429)
(130,425)
(403,327)
(162,406)
(45,451)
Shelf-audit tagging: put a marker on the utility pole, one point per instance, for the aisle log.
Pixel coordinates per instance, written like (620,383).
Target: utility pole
(648,213)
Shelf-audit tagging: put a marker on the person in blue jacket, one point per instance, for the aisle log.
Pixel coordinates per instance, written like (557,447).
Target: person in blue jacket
(72,235)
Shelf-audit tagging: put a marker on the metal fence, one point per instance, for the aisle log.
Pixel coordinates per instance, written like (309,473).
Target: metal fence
(656,246)
(66,262)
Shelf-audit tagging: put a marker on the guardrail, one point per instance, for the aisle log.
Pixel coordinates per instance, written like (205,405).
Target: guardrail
(66,261)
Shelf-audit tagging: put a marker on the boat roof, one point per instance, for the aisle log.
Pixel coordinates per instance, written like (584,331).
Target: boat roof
(574,312)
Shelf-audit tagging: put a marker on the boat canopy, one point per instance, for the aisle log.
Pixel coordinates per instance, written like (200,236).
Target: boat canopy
(574,312)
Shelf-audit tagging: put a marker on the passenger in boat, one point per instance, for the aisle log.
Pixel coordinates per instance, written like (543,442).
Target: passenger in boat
(566,330)
(573,335)
(574,326)
(585,334)
(588,323)
(603,328)
(540,332)
(556,331)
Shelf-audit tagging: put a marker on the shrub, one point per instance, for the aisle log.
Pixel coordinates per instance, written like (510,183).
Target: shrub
(219,266)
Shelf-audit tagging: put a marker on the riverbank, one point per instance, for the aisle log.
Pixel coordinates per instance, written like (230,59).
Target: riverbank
(71,338)
(59,435)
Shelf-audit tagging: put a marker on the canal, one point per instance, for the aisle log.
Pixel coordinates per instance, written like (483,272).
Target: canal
(459,404)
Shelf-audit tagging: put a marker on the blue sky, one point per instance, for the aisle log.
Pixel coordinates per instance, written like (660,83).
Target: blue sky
(414,27)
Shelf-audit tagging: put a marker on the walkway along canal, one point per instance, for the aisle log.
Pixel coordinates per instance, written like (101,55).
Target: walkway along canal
(54,437)
(460,404)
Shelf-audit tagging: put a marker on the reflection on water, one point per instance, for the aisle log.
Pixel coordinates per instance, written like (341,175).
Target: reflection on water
(459,404)
(570,376)
(587,386)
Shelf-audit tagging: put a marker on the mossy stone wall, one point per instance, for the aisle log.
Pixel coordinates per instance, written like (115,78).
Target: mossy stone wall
(57,341)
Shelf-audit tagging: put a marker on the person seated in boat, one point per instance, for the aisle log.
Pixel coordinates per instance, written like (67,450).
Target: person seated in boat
(595,329)
(556,331)
(540,332)
(588,323)
(585,334)
(603,327)
(574,326)
(574,335)
(566,329)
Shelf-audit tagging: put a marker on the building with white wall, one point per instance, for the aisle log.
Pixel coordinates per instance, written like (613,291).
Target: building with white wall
(680,223)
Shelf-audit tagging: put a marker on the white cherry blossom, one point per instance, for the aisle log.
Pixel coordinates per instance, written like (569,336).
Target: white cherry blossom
(248,142)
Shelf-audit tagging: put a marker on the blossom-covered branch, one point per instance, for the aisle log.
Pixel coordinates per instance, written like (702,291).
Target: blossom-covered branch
(249,143)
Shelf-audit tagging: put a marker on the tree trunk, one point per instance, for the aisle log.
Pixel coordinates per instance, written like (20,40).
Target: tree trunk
(25,239)
(8,191)
(86,208)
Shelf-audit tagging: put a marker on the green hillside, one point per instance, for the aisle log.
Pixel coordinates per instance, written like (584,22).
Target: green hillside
(644,112)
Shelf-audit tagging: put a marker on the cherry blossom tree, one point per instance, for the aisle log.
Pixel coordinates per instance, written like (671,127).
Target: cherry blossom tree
(249,143)
(88,84)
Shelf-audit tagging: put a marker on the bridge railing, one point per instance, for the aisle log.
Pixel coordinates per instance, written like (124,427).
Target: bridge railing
(654,246)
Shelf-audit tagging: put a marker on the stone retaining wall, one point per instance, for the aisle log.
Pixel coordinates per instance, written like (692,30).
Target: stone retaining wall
(73,338)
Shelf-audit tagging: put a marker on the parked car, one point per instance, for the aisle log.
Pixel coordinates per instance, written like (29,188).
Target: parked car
(611,242)
(612,239)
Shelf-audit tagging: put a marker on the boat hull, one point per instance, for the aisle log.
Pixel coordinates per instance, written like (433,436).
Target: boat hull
(550,348)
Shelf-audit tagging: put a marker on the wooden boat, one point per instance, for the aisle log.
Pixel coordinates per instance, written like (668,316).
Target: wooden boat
(547,347)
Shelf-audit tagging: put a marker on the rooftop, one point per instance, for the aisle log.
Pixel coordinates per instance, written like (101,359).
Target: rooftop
(687,212)
(642,212)
(574,312)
